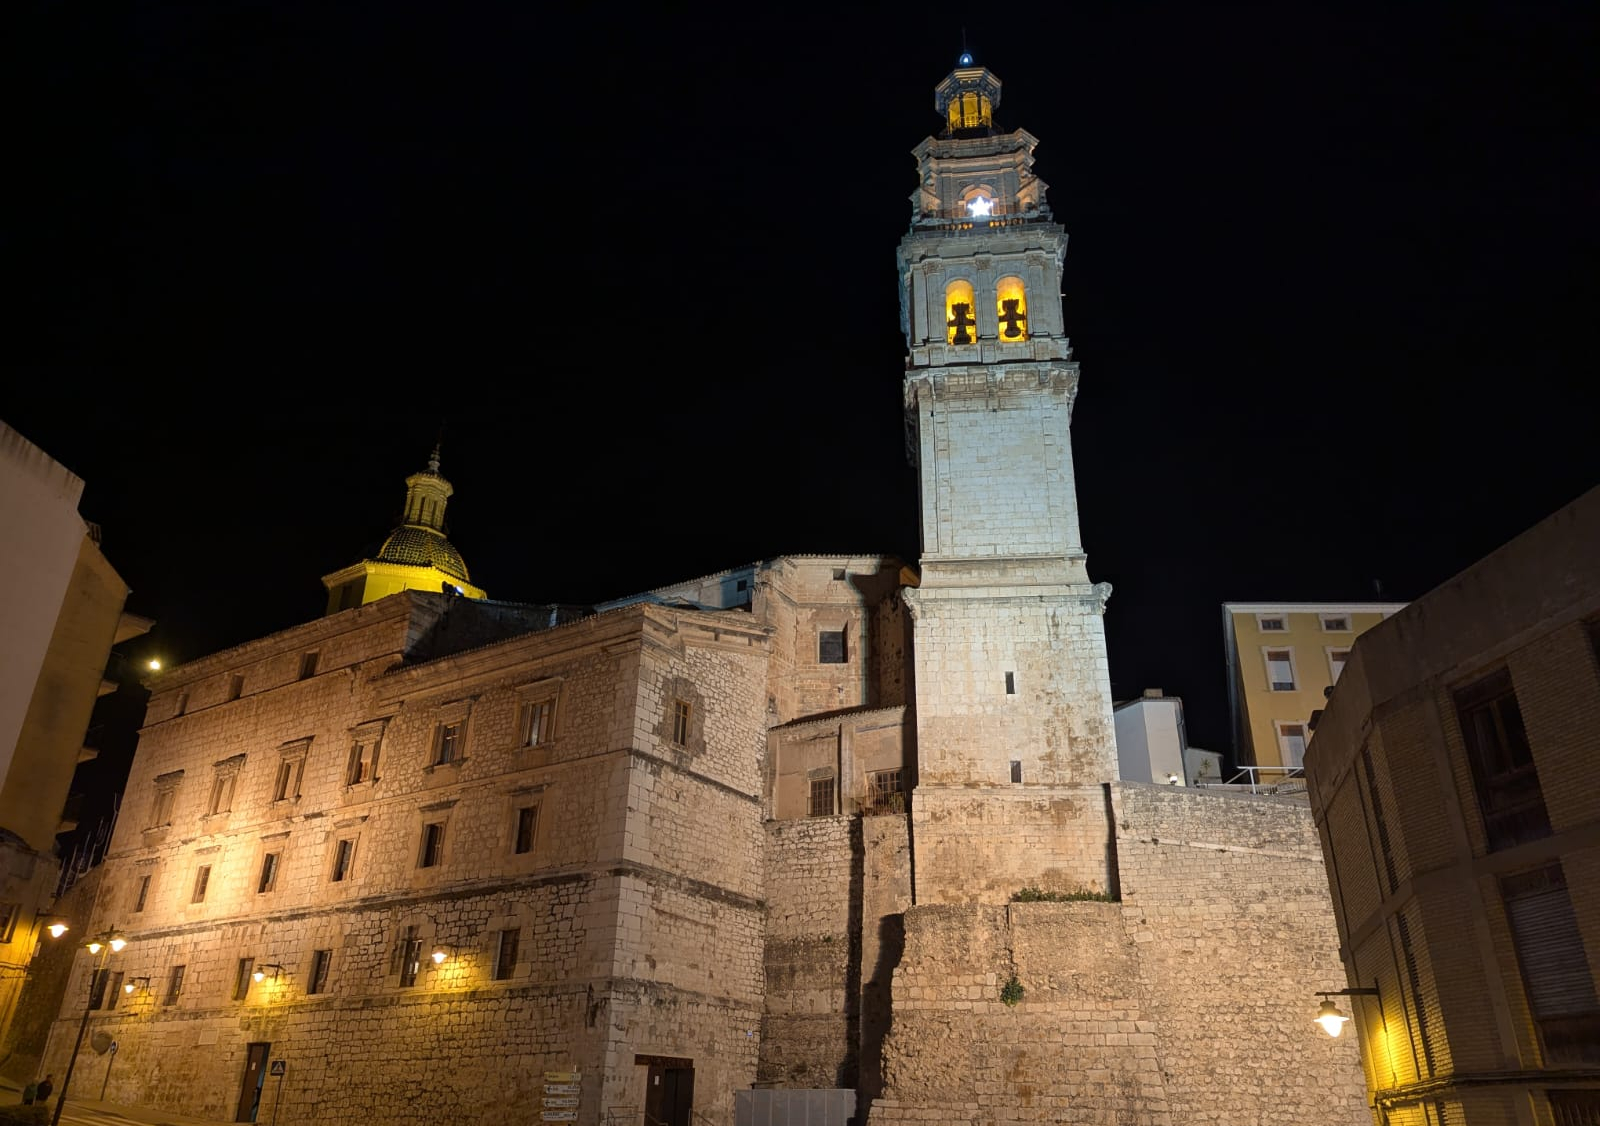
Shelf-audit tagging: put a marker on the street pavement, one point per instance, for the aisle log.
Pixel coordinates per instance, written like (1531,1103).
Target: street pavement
(87,1112)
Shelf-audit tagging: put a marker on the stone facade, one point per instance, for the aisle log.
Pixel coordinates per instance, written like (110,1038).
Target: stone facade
(759,828)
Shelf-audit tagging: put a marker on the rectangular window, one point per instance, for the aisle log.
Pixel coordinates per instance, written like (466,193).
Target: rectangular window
(410,956)
(1292,744)
(1337,658)
(432,851)
(308,665)
(1555,970)
(269,873)
(235,687)
(830,647)
(174,986)
(885,793)
(286,787)
(343,855)
(143,894)
(1502,762)
(821,803)
(447,744)
(1011,684)
(1336,623)
(527,828)
(1016,771)
(241,978)
(162,813)
(9,914)
(202,877)
(1271,623)
(181,705)
(505,955)
(538,722)
(363,764)
(1280,669)
(97,991)
(320,961)
(222,792)
(113,989)
(680,722)
(1573,1106)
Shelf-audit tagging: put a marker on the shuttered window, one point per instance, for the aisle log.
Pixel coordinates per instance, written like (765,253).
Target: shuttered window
(1507,781)
(1555,970)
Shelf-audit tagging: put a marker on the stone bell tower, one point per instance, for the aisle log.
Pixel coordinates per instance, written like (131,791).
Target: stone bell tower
(1013,700)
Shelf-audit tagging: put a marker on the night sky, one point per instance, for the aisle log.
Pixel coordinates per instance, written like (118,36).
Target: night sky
(1332,279)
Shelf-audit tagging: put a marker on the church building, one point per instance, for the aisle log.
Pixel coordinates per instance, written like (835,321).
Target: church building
(818,826)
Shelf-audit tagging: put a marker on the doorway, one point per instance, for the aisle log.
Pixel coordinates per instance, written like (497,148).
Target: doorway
(255,1073)
(669,1090)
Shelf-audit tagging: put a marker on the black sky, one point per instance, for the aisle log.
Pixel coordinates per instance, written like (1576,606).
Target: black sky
(1332,280)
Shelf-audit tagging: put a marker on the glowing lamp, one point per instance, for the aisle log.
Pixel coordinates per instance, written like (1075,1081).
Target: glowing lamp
(117,944)
(57,929)
(128,988)
(966,59)
(261,975)
(1331,1019)
(96,946)
(980,205)
(439,956)
(154,665)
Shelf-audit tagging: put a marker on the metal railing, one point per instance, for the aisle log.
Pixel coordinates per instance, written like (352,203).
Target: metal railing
(1265,780)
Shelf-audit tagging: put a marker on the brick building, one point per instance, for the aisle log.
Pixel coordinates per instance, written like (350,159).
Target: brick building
(1451,777)
(503,862)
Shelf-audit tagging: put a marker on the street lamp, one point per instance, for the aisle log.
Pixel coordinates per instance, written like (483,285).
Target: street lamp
(105,944)
(261,971)
(1329,1016)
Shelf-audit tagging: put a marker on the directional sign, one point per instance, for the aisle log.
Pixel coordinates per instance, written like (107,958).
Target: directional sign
(277,1067)
(562,1076)
(562,1089)
(559,1116)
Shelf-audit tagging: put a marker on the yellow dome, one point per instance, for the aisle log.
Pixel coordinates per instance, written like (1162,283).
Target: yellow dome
(422,547)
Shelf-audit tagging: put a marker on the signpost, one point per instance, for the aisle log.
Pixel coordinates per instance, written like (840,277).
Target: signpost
(562,1092)
(111,1058)
(278,1068)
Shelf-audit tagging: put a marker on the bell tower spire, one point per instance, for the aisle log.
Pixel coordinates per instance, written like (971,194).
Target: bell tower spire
(1014,725)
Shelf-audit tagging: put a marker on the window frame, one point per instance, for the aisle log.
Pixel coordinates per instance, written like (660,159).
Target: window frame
(141,897)
(826,652)
(449,742)
(267,880)
(1294,668)
(344,860)
(1336,668)
(174,990)
(829,790)
(682,713)
(409,949)
(1282,737)
(1511,803)
(430,851)
(525,833)
(241,979)
(1263,619)
(317,977)
(202,883)
(1323,618)
(505,968)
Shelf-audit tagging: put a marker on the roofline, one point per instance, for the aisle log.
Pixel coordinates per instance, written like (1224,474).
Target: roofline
(1311,607)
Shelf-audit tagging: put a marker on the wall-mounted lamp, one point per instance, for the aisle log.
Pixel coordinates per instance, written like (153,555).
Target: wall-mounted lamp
(115,941)
(134,983)
(261,973)
(1329,1016)
(57,928)
(440,953)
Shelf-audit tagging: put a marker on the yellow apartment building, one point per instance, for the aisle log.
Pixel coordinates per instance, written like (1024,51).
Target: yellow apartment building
(1282,657)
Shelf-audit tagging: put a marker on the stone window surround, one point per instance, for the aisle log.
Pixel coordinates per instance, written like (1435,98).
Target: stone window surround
(370,735)
(547,689)
(345,830)
(455,712)
(293,755)
(271,843)
(438,813)
(166,799)
(224,785)
(516,800)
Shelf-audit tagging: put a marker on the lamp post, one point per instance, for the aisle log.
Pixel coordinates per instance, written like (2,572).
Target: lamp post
(105,945)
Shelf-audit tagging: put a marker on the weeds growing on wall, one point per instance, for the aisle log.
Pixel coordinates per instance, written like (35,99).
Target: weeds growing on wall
(1011,991)
(1039,895)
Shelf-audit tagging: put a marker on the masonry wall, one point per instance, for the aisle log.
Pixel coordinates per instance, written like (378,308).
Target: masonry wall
(1189,1001)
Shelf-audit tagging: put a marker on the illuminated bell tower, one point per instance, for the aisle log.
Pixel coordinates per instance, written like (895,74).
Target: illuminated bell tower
(1013,700)
(416,555)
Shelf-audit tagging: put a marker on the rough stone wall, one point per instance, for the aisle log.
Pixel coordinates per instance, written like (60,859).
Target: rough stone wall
(1187,1002)
(1226,900)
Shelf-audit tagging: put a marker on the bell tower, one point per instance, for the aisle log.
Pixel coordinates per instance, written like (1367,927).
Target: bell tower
(1013,699)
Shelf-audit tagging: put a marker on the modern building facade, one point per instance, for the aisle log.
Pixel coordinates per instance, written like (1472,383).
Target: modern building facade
(498,862)
(63,609)
(1282,657)
(1451,779)
(1153,743)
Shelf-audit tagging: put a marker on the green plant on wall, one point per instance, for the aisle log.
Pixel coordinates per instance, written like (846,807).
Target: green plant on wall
(1039,895)
(1011,991)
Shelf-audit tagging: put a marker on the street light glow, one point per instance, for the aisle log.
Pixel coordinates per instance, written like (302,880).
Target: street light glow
(1331,1019)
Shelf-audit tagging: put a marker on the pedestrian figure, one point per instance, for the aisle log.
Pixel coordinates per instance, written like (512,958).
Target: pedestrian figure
(30,1092)
(46,1085)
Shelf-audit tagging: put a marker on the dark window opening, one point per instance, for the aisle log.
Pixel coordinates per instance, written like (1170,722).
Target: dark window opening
(821,800)
(505,955)
(432,845)
(1016,770)
(885,792)
(308,665)
(1502,762)
(343,854)
(320,961)
(830,647)
(1011,684)
(527,828)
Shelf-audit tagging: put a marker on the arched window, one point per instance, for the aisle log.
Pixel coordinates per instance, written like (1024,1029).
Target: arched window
(1011,309)
(960,313)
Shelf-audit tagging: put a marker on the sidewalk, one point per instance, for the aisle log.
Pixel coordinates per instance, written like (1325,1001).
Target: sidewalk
(11,1096)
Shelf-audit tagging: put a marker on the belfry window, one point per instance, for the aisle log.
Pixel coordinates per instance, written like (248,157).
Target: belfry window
(1011,308)
(970,111)
(960,313)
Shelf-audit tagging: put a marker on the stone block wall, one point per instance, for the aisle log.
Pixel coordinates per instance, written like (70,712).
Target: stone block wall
(1187,1002)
